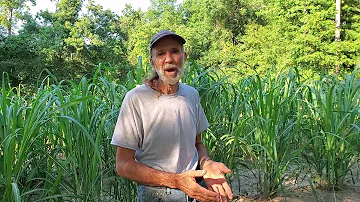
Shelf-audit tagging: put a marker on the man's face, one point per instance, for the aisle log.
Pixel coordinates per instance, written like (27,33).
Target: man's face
(167,58)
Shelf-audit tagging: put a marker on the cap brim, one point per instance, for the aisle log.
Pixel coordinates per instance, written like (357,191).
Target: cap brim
(163,34)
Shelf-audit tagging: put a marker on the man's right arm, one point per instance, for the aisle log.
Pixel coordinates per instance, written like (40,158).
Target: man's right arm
(127,167)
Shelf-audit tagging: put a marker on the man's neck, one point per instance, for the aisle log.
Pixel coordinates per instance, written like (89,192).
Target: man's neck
(166,88)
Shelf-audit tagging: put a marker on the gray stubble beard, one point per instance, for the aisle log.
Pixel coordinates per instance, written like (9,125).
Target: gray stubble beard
(169,80)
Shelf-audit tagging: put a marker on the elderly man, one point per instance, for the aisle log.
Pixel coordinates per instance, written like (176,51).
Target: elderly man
(158,133)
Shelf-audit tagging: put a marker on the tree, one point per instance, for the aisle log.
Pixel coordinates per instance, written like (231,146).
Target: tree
(19,56)
(338,27)
(11,11)
(162,14)
(97,38)
(213,29)
(67,44)
(301,33)
(74,45)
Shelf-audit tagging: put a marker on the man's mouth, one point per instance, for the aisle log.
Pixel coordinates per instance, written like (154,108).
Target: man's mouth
(170,69)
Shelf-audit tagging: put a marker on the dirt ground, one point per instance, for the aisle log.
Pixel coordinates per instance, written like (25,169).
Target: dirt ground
(349,194)
(297,189)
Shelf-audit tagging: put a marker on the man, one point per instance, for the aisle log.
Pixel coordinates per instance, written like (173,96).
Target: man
(158,133)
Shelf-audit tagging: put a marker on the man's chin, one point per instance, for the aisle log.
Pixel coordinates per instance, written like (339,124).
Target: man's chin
(171,81)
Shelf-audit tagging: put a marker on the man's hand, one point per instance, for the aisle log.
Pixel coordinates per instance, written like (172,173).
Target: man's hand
(186,183)
(215,179)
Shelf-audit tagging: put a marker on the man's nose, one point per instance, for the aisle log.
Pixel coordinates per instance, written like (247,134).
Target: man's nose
(169,58)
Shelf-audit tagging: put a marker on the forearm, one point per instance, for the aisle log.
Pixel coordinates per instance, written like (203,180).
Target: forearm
(142,174)
(127,167)
(202,152)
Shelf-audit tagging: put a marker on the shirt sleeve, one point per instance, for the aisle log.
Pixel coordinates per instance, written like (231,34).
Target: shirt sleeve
(128,126)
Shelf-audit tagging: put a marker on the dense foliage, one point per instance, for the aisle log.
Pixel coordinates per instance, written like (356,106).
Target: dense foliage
(54,145)
(251,35)
(255,64)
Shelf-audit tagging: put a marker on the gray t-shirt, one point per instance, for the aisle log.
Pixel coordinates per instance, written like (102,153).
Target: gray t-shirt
(161,128)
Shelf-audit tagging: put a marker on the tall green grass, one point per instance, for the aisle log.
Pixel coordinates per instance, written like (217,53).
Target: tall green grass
(273,113)
(333,131)
(265,124)
(55,143)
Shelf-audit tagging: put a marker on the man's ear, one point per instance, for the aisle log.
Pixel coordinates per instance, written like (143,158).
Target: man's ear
(185,56)
(152,62)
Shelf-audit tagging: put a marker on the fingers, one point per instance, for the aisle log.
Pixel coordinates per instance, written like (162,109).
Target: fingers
(206,195)
(216,181)
(188,185)
(196,173)
(224,169)
(219,189)
(223,189)
(225,186)
(228,190)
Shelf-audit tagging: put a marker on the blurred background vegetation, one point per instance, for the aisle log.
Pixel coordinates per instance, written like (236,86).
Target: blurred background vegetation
(281,92)
(252,35)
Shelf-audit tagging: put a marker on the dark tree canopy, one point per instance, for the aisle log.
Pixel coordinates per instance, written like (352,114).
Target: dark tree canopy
(250,35)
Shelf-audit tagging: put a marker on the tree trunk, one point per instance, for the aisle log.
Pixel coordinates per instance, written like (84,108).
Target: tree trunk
(10,22)
(337,28)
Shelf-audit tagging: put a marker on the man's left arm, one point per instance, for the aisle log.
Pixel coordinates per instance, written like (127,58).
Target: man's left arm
(214,178)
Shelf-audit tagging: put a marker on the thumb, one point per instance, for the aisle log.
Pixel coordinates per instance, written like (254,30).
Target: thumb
(225,169)
(196,173)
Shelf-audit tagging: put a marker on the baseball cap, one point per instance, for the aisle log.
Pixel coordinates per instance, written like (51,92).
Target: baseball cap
(164,33)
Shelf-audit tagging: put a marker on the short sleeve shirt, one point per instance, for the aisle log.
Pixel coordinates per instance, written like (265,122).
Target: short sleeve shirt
(161,128)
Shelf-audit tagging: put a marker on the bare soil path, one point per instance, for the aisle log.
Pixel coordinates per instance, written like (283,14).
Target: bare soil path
(297,189)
